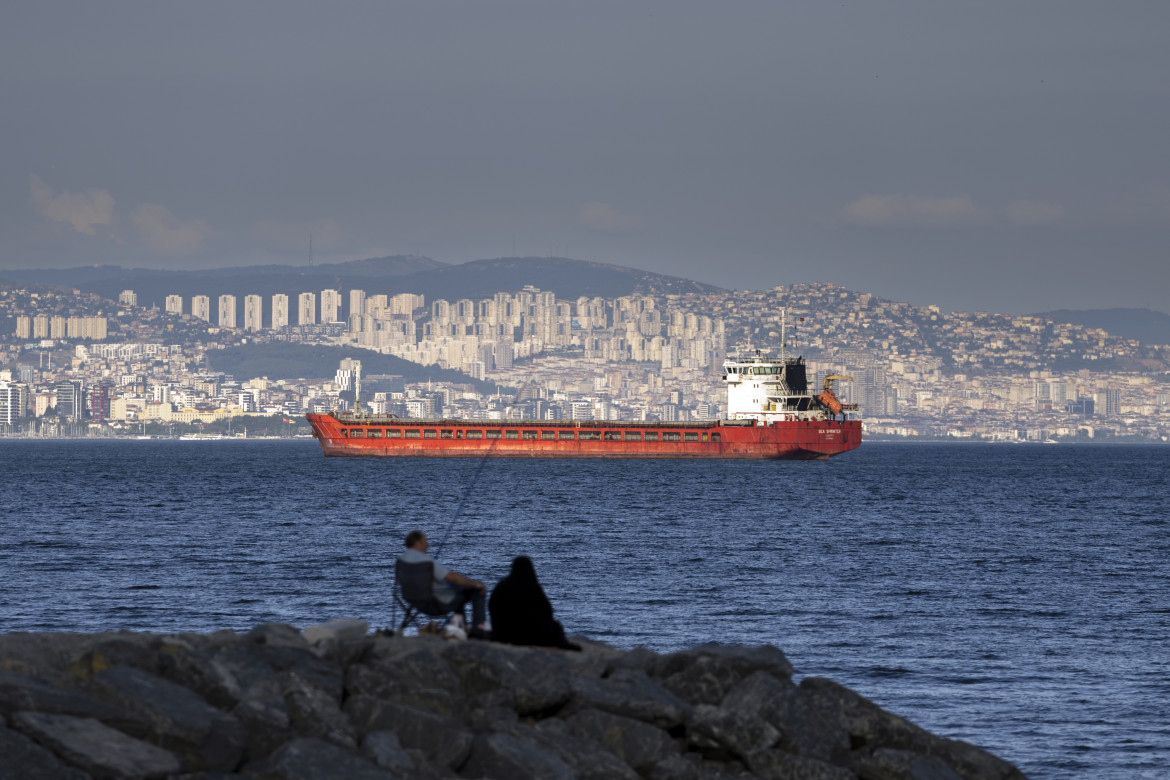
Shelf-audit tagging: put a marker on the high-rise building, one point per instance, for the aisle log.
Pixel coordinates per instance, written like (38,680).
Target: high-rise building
(1112,397)
(13,402)
(201,307)
(174,304)
(227,311)
(279,311)
(128,298)
(57,327)
(98,401)
(307,309)
(24,327)
(253,313)
(330,305)
(71,399)
(41,326)
(357,310)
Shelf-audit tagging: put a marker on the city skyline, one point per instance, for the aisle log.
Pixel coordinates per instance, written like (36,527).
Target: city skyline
(984,158)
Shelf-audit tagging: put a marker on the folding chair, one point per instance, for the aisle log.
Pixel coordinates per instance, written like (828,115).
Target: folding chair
(415,592)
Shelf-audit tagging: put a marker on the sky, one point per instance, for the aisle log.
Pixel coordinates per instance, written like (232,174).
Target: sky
(991,156)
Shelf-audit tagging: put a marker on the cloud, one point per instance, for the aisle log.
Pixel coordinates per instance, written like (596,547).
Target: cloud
(1034,213)
(912,211)
(82,211)
(604,218)
(161,231)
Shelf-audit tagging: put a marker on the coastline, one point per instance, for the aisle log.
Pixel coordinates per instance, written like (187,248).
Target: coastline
(271,703)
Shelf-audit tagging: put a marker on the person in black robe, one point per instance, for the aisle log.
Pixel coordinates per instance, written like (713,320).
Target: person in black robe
(521,613)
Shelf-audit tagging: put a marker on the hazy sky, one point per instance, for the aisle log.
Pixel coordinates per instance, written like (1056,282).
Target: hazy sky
(1000,156)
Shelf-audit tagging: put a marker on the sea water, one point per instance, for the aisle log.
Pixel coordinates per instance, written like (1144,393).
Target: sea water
(1015,596)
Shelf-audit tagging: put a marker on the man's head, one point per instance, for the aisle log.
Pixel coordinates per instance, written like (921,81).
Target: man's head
(417,540)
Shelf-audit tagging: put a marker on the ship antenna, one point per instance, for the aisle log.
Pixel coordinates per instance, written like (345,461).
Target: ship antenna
(783,333)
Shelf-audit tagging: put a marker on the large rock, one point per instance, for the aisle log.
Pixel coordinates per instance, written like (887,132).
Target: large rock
(740,660)
(20,692)
(705,680)
(810,724)
(715,730)
(781,765)
(871,727)
(631,693)
(890,764)
(504,756)
(588,760)
(313,759)
(639,744)
(538,678)
(444,740)
(267,725)
(314,713)
(384,749)
(340,630)
(176,718)
(23,759)
(95,747)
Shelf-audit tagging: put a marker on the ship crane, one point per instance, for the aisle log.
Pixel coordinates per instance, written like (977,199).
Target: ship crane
(828,398)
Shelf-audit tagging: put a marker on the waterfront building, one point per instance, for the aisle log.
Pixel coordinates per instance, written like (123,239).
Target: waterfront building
(279,311)
(71,399)
(253,313)
(174,304)
(227,311)
(13,402)
(201,307)
(307,309)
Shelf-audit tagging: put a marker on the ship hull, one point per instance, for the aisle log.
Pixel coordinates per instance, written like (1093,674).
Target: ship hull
(395,437)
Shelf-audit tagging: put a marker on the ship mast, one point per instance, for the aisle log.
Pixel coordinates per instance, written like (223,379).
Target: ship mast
(783,333)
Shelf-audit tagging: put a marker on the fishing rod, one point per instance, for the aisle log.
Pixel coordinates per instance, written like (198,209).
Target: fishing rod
(463,499)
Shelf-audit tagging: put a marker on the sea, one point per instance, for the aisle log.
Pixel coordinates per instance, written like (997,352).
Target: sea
(1014,596)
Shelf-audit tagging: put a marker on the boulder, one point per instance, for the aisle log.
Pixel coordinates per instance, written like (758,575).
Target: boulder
(24,759)
(321,673)
(95,747)
(341,630)
(891,764)
(176,718)
(810,724)
(715,730)
(314,713)
(20,692)
(639,744)
(267,725)
(276,635)
(539,678)
(631,693)
(444,740)
(506,756)
(305,758)
(743,661)
(384,749)
(706,680)
(781,765)
(872,727)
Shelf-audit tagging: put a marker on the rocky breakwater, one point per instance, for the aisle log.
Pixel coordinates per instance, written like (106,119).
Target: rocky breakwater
(270,704)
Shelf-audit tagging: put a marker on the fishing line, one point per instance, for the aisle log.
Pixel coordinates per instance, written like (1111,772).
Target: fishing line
(463,499)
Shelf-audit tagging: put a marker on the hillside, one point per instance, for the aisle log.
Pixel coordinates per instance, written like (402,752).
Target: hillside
(153,286)
(1145,325)
(386,275)
(281,360)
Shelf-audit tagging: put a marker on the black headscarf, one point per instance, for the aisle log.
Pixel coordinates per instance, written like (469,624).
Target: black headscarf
(521,613)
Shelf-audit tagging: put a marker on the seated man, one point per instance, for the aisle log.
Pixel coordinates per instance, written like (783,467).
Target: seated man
(450,587)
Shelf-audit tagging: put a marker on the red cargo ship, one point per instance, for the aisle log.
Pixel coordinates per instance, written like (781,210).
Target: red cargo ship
(772,415)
